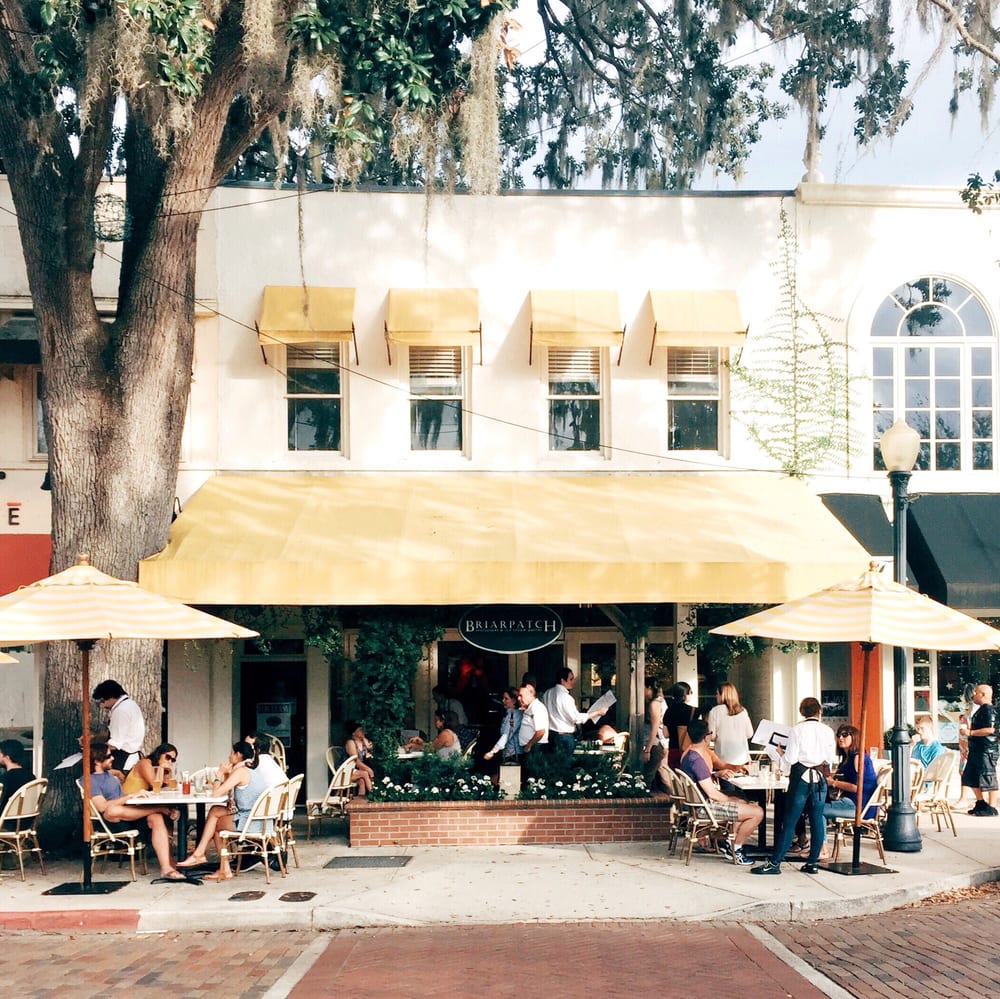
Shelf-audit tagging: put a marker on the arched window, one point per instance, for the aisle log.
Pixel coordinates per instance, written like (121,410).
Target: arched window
(933,363)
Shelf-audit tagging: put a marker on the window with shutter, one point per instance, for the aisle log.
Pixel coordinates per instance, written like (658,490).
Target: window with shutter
(574,398)
(314,397)
(436,391)
(693,398)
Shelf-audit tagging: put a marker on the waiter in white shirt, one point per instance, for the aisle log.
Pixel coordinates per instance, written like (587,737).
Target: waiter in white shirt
(563,714)
(126,726)
(806,759)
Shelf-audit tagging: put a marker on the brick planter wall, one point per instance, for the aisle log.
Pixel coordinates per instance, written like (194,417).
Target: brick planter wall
(506,823)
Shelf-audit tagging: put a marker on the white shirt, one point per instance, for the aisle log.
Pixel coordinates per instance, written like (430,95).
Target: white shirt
(126,726)
(534,718)
(267,767)
(563,716)
(730,733)
(809,743)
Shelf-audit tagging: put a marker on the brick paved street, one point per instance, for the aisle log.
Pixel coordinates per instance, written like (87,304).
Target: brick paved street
(918,951)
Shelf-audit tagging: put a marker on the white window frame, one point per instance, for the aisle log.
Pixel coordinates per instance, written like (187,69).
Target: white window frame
(315,355)
(720,397)
(584,358)
(422,355)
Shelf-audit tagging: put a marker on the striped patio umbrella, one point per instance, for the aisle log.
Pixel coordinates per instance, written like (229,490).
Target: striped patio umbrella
(874,611)
(84,605)
(869,609)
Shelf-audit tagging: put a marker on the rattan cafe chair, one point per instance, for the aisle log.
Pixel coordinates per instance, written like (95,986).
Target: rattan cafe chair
(18,822)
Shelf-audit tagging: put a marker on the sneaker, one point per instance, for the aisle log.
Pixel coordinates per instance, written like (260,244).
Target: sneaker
(741,859)
(983,813)
(726,848)
(767,868)
(809,869)
(980,808)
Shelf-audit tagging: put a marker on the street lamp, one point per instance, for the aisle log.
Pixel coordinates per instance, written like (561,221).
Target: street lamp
(900,445)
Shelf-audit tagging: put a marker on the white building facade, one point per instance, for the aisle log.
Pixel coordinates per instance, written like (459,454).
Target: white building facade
(461,402)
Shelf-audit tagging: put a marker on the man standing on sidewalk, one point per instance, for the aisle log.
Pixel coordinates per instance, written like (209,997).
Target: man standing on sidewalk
(534,730)
(811,747)
(980,771)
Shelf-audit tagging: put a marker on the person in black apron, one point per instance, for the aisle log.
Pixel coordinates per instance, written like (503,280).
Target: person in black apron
(811,747)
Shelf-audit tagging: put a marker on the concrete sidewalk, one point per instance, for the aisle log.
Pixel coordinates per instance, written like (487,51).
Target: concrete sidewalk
(445,885)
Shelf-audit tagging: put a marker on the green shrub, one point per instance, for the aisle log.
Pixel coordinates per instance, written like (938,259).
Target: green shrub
(432,779)
(558,777)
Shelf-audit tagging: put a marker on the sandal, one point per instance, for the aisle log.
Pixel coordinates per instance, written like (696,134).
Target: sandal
(193,861)
(218,876)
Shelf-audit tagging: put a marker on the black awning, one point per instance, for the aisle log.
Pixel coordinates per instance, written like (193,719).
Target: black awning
(864,516)
(954,547)
(19,341)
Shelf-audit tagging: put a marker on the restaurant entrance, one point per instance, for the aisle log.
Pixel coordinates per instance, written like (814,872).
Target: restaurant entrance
(273,700)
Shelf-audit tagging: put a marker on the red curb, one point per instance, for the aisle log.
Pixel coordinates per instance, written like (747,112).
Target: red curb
(72,919)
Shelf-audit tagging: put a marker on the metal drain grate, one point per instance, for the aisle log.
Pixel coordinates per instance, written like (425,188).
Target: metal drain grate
(296,896)
(246,896)
(368,862)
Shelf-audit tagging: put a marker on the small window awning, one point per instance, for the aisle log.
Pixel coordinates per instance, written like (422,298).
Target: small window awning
(465,538)
(434,317)
(294,314)
(864,516)
(953,545)
(19,341)
(709,318)
(575,318)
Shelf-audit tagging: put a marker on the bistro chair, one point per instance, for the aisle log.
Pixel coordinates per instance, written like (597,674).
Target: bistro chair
(916,778)
(105,842)
(21,815)
(277,750)
(338,794)
(288,817)
(469,749)
(620,741)
(932,798)
(700,820)
(677,823)
(261,836)
(871,828)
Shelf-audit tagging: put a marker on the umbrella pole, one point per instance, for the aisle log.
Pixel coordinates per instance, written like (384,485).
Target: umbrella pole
(859,762)
(85,647)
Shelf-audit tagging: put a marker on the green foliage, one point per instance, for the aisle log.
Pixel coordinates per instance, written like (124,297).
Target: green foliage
(979,194)
(560,777)
(719,652)
(795,382)
(432,779)
(379,690)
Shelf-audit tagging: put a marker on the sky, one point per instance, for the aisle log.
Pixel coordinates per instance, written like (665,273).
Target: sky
(931,149)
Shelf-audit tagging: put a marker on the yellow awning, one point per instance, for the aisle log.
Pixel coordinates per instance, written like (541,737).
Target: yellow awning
(433,317)
(462,538)
(696,319)
(576,318)
(294,314)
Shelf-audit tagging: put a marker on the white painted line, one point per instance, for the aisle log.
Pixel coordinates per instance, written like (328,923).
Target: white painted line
(284,985)
(807,971)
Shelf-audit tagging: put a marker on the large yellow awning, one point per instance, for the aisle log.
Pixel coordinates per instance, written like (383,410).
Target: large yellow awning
(575,318)
(696,319)
(434,317)
(462,538)
(297,314)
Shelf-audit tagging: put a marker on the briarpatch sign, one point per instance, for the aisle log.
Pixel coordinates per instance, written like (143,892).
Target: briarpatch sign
(514,628)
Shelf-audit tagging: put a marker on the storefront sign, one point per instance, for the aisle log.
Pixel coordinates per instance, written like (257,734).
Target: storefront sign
(517,628)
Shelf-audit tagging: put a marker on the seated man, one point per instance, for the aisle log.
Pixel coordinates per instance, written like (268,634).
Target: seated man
(17,774)
(109,799)
(926,748)
(699,762)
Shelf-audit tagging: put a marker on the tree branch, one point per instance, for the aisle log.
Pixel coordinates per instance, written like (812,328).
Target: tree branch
(968,39)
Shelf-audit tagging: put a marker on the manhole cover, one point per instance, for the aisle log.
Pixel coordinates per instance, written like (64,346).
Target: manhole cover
(246,896)
(368,862)
(296,896)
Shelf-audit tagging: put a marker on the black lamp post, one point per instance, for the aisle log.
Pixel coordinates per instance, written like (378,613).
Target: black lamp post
(900,445)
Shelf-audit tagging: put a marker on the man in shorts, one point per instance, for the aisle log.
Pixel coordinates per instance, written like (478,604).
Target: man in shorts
(980,771)
(744,815)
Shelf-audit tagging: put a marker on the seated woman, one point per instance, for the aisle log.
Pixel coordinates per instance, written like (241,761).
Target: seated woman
(358,745)
(240,775)
(845,780)
(140,777)
(446,743)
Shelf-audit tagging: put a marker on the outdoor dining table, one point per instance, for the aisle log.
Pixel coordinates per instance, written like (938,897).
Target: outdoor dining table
(769,792)
(182,802)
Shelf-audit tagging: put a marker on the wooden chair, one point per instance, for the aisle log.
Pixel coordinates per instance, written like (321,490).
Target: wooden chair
(621,750)
(916,778)
(700,819)
(677,823)
(932,798)
(871,828)
(21,814)
(277,749)
(288,816)
(105,842)
(338,794)
(261,835)
(467,752)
